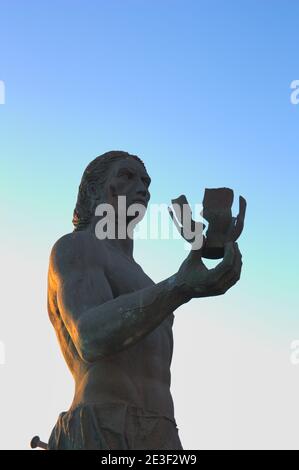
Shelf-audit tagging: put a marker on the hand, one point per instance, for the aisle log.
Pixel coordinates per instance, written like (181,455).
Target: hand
(196,280)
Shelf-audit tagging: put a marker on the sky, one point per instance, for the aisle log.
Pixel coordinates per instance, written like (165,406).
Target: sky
(200,90)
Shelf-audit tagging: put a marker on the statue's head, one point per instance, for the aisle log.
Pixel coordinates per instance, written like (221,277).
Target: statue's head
(108,176)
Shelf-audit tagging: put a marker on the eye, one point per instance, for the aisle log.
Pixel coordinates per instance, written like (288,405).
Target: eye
(127,174)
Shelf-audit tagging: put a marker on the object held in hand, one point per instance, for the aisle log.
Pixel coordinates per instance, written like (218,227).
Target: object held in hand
(223,227)
(181,215)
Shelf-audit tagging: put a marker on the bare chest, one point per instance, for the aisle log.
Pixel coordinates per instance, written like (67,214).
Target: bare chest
(125,275)
(155,348)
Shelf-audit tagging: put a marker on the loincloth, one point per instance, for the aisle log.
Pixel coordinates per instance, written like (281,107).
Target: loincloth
(113,426)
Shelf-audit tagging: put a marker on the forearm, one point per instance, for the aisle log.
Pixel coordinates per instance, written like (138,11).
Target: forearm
(121,322)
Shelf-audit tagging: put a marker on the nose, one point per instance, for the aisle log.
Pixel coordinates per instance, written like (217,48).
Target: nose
(141,189)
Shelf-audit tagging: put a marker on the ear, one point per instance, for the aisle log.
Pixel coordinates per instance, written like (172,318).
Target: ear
(112,189)
(92,190)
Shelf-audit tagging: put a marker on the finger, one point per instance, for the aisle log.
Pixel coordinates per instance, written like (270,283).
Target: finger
(182,219)
(183,212)
(232,276)
(242,207)
(175,220)
(222,289)
(228,280)
(178,204)
(240,218)
(227,263)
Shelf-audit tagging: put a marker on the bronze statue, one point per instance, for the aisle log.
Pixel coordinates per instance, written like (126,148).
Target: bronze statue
(114,324)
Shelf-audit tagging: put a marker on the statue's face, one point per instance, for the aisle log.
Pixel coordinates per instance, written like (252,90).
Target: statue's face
(127,177)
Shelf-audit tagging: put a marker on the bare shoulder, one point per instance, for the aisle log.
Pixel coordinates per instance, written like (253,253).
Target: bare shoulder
(76,250)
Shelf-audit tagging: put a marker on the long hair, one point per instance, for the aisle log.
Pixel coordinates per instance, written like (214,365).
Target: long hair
(96,172)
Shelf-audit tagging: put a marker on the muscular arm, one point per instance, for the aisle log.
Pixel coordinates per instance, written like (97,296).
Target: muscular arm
(99,324)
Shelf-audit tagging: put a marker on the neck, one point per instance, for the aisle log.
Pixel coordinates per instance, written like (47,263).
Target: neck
(121,242)
(125,246)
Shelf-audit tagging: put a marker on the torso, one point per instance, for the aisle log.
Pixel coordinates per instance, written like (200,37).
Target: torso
(140,374)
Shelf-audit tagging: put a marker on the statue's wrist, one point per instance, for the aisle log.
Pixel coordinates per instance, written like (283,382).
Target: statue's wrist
(181,290)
